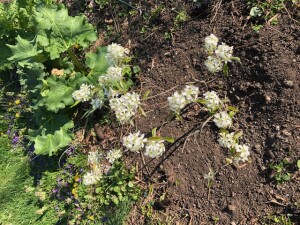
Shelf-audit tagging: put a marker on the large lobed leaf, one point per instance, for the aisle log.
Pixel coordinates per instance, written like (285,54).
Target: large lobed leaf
(55,95)
(97,63)
(57,31)
(54,134)
(51,143)
(24,51)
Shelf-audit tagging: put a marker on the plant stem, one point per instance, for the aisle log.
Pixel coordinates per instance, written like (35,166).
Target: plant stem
(77,62)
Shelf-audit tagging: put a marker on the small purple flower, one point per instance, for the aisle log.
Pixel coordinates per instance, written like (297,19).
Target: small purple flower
(15,140)
(8,132)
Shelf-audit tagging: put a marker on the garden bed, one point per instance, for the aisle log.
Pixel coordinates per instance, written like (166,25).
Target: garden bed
(167,39)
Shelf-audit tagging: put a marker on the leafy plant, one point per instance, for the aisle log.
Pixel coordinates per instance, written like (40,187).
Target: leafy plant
(108,200)
(50,73)
(279,171)
(282,220)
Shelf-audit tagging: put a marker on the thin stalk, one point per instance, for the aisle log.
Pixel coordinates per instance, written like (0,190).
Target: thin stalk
(77,63)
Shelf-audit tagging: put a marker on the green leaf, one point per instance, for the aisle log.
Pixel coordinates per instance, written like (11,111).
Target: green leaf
(47,144)
(238,135)
(236,59)
(136,69)
(57,31)
(130,184)
(255,11)
(154,132)
(225,69)
(31,78)
(57,95)
(23,51)
(286,176)
(115,199)
(48,122)
(145,96)
(97,63)
(116,189)
(168,139)
(5,54)
(231,108)
(298,164)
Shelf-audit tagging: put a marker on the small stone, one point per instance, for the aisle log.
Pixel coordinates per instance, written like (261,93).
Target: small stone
(286,133)
(267,98)
(257,148)
(231,208)
(270,154)
(288,83)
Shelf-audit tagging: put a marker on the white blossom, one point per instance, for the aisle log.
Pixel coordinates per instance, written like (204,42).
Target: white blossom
(213,64)
(191,93)
(97,103)
(222,120)
(177,102)
(224,52)
(226,140)
(94,157)
(210,43)
(155,148)
(112,73)
(115,53)
(212,100)
(243,152)
(84,93)
(90,178)
(113,155)
(125,107)
(134,142)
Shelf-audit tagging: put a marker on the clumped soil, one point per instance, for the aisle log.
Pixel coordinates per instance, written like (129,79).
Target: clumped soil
(265,88)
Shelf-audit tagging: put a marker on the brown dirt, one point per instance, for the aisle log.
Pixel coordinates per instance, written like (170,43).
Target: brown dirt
(265,88)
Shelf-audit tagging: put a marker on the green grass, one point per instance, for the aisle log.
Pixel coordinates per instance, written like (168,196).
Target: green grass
(17,204)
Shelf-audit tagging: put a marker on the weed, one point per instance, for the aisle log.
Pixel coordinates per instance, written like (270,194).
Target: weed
(279,171)
(180,18)
(280,220)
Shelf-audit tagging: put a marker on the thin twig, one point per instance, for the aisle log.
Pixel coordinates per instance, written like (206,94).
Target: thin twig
(218,5)
(144,164)
(153,96)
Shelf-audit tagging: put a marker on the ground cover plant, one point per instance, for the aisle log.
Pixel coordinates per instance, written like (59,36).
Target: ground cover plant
(146,112)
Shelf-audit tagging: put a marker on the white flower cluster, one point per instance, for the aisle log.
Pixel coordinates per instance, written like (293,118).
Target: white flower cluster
(226,140)
(134,141)
(218,54)
(115,54)
(179,100)
(211,43)
(112,74)
(222,120)
(94,161)
(84,94)
(240,152)
(125,107)
(113,155)
(212,101)
(155,148)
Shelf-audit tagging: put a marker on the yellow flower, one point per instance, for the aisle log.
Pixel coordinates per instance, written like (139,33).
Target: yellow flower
(91,218)
(17,115)
(17,102)
(76,177)
(74,192)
